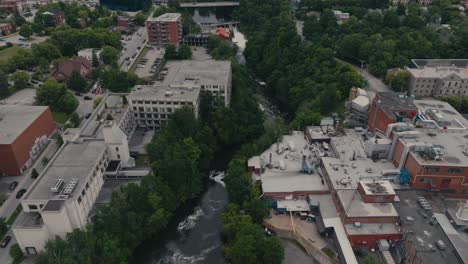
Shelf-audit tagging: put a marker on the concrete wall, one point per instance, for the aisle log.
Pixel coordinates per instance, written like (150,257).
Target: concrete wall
(370,241)
(36,238)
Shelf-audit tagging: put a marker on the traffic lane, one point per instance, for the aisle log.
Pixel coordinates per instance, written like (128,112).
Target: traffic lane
(138,39)
(86,106)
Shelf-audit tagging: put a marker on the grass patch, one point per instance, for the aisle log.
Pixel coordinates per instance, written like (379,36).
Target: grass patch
(9,52)
(15,214)
(60,117)
(138,59)
(142,160)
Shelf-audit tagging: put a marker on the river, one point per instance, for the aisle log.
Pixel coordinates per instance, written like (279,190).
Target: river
(194,234)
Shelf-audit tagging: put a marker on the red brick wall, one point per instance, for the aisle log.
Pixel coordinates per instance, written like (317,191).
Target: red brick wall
(439,179)
(397,153)
(382,121)
(386,219)
(296,195)
(357,240)
(18,152)
(173,32)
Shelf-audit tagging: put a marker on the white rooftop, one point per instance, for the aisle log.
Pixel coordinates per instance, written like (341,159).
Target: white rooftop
(206,72)
(164,93)
(167,17)
(14,119)
(372,229)
(294,205)
(377,187)
(354,206)
(285,174)
(439,72)
(74,161)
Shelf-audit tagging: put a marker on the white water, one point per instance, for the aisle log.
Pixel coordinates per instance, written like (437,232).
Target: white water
(191,220)
(218,177)
(178,257)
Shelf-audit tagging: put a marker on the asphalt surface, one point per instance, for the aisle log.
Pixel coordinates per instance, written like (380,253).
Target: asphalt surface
(373,83)
(15,39)
(138,39)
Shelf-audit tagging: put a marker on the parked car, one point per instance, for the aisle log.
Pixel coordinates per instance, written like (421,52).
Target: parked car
(78,94)
(87,98)
(5,242)
(13,185)
(20,193)
(441,245)
(87,115)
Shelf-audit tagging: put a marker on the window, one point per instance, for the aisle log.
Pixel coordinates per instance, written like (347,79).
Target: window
(83,192)
(87,186)
(79,200)
(425,180)
(32,207)
(465,191)
(455,170)
(431,169)
(31,251)
(118,156)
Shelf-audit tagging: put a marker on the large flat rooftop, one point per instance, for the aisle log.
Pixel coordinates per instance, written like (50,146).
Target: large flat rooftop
(421,63)
(168,17)
(286,172)
(75,161)
(14,119)
(165,93)
(354,206)
(391,102)
(197,72)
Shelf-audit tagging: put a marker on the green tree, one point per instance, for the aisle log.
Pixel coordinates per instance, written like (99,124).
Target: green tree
(398,81)
(76,82)
(95,60)
(118,81)
(56,96)
(4,91)
(26,31)
(184,52)
(171,52)
(20,79)
(140,19)
(110,55)
(16,254)
(238,181)
(46,50)
(75,120)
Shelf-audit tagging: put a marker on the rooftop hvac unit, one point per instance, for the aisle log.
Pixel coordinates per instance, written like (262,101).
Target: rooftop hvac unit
(70,186)
(57,186)
(437,153)
(357,224)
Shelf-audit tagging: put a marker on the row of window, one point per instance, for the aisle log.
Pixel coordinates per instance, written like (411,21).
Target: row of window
(134,102)
(454,170)
(101,166)
(153,109)
(154,116)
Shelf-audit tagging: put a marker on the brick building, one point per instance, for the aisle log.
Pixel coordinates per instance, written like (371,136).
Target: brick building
(58,15)
(23,133)
(165,29)
(78,64)
(388,108)
(6,28)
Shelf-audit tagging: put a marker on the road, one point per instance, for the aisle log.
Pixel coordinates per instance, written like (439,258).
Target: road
(15,39)
(138,39)
(373,83)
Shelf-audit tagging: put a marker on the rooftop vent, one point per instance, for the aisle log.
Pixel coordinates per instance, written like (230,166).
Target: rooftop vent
(70,187)
(376,187)
(57,187)
(168,93)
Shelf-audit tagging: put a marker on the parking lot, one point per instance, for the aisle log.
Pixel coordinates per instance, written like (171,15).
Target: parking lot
(422,230)
(132,45)
(22,97)
(150,63)
(18,40)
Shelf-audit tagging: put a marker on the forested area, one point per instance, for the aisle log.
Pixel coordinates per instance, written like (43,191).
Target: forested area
(303,77)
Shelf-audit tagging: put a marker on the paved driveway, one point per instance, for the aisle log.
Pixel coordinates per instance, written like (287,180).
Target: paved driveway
(138,39)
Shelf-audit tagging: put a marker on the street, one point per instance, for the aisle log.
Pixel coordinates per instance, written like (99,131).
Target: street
(131,45)
(373,83)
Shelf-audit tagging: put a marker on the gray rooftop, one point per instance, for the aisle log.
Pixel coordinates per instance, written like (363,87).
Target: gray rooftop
(14,119)
(164,93)
(290,178)
(391,102)
(168,17)
(53,205)
(76,160)
(28,220)
(372,229)
(420,63)
(354,206)
(194,72)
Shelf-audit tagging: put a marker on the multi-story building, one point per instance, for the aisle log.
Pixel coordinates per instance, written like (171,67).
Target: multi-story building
(62,197)
(212,76)
(152,105)
(165,29)
(24,131)
(439,78)
(5,28)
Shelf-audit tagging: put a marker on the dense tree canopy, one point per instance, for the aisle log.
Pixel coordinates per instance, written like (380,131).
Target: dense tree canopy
(118,81)
(56,96)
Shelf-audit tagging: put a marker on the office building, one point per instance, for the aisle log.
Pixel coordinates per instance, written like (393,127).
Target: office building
(433,78)
(165,29)
(63,196)
(24,132)
(152,105)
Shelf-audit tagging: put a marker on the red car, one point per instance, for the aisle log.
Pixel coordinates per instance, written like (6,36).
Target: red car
(5,242)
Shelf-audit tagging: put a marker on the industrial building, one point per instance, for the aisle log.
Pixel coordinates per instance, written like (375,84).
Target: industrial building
(64,194)
(24,132)
(438,78)
(165,29)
